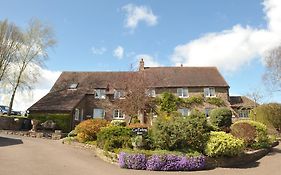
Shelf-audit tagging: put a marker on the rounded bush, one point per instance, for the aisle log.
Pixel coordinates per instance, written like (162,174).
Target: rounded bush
(245,131)
(87,130)
(112,137)
(177,133)
(221,118)
(262,139)
(223,144)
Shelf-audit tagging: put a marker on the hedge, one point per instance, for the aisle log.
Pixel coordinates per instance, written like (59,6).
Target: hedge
(63,121)
(156,162)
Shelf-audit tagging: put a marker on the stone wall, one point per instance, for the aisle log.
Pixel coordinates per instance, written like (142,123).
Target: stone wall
(13,123)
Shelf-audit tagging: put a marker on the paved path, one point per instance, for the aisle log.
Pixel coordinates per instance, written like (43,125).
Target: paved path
(30,156)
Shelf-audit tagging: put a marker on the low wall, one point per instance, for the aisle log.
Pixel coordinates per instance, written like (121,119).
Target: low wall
(14,123)
(243,159)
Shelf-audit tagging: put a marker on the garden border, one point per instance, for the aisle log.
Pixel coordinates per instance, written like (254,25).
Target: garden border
(243,159)
(211,163)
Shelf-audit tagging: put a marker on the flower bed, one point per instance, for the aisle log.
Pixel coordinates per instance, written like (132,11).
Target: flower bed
(155,162)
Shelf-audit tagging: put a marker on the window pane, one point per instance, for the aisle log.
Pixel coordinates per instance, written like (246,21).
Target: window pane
(98,113)
(206,92)
(185,92)
(212,91)
(184,111)
(179,92)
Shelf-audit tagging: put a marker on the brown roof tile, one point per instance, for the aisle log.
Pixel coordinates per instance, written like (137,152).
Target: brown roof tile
(60,98)
(241,101)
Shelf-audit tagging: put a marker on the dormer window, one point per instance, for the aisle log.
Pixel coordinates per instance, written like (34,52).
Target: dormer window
(100,93)
(73,86)
(151,93)
(182,92)
(119,94)
(209,92)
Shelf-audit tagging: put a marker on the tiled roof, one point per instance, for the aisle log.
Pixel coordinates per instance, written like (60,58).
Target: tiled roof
(58,101)
(60,98)
(241,101)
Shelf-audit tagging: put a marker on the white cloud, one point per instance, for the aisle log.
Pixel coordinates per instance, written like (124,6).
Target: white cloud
(118,52)
(25,99)
(136,14)
(98,50)
(149,61)
(233,48)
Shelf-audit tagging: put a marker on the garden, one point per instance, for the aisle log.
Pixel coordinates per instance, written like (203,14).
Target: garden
(174,142)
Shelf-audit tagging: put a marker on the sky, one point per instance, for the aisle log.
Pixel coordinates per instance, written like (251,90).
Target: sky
(233,35)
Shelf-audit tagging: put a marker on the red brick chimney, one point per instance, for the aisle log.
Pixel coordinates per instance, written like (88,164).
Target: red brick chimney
(141,66)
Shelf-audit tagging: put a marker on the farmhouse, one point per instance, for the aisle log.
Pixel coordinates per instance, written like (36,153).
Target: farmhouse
(86,95)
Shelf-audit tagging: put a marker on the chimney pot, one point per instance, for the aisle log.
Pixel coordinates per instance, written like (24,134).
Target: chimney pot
(141,66)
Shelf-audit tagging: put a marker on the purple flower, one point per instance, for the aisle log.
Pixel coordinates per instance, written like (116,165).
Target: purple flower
(168,162)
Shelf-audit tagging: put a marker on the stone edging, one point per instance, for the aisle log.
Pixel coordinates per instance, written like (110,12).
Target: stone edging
(107,156)
(45,135)
(243,159)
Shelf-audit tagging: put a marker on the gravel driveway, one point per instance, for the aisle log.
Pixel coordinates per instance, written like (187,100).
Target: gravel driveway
(30,156)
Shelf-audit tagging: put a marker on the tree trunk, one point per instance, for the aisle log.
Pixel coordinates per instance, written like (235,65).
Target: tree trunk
(12,101)
(13,94)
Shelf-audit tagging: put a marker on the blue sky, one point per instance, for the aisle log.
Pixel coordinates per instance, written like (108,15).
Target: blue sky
(111,35)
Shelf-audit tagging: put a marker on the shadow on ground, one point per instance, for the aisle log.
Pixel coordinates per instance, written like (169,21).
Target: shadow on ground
(9,141)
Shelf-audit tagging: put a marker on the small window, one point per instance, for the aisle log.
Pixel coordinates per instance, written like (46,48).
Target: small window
(151,93)
(117,114)
(209,92)
(184,111)
(98,113)
(77,114)
(119,94)
(100,93)
(73,86)
(182,92)
(244,113)
(208,112)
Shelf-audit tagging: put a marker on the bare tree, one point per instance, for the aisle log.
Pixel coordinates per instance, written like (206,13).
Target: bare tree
(10,40)
(32,52)
(138,100)
(256,96)
(273,69)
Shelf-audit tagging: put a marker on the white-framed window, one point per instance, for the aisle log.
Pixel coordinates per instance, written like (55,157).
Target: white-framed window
(151,93)
(208,111)
(184,111)
(73,86)
(77,114)
(98,113)
(119,94)
(117,114)
(209,92)
(182,92)
(100,93)
(244,113)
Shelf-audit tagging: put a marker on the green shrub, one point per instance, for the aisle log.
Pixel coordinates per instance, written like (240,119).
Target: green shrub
(87,130)
(177,132)
(168,102)
(118,123)
(223,144)
(261,139)
(221,118)
(269,114)
(245,131)
(63,121)
(215,101)
(112,137)
(194,100)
